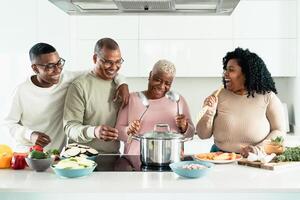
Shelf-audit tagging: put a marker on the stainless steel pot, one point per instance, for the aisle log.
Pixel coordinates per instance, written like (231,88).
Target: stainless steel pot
(160,148)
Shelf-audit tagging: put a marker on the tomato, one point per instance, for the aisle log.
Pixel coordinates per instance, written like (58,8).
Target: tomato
(36,148)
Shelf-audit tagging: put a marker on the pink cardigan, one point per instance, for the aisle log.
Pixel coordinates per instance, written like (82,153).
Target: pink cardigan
(160,110)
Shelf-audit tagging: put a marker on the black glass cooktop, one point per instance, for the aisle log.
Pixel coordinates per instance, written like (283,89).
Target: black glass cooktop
(113,162)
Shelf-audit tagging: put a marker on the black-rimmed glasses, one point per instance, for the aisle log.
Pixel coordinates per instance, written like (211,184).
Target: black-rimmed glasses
(109,63)
(50,67)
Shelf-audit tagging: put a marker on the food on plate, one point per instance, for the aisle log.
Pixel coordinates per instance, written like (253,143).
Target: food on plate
(290,154)
(193,166)
(74,163)
(274,145)
(218,156)
(74,149)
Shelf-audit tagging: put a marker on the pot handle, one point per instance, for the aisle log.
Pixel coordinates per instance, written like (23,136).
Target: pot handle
(186,139)
(156,126)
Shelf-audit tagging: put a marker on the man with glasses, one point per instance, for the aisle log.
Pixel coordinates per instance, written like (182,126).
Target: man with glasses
(90,114)
(36,112)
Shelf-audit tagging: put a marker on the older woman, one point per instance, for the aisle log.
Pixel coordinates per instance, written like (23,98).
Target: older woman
(161,109)
(247,111)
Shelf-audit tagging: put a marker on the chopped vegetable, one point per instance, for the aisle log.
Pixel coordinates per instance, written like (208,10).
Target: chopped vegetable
(290,154)
(74,163)
(278,140)
(193,166)
(37,154)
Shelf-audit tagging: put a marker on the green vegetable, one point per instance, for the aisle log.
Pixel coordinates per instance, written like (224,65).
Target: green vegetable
(290,154)
(278,140)
(37,154)
(55,152)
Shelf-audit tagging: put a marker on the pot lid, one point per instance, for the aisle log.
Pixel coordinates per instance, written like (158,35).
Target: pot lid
(162,135)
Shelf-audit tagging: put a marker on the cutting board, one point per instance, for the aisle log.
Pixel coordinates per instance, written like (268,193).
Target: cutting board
(268,166)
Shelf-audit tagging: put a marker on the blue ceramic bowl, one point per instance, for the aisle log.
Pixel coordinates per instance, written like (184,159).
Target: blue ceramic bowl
(191,173)
(73,173)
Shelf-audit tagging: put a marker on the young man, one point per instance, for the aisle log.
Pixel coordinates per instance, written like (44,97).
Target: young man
(36,112)
(90,114)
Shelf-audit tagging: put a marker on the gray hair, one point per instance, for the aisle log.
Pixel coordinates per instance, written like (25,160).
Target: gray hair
(165,66)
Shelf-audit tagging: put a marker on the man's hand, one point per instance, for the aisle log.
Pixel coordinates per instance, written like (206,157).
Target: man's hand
(181,123)
(39,138)
(122,93)
(106,133)
(134,127)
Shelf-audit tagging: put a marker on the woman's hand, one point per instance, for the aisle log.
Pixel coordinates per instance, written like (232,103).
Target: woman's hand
(245,150)
(181,123)
(211,101)
(134,127)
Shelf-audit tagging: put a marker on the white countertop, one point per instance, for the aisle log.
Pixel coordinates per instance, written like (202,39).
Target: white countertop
(229,179)
(225,181)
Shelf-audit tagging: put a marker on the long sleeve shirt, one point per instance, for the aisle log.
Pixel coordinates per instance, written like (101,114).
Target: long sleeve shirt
(38,109)
(89,103)
(240,120)
(161,110)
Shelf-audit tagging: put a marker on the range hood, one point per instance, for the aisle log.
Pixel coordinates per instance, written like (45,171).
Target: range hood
(107,7)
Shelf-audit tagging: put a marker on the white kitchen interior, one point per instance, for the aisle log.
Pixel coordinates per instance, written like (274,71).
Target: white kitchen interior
(196,45)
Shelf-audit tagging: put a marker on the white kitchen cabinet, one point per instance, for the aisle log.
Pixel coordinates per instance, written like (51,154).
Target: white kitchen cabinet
(185,27)
(96,27)
(54,28)
(279,55)
(192,58)
(265,19)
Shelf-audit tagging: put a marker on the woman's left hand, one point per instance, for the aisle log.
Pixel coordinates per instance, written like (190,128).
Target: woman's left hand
(181,123)
(245,150)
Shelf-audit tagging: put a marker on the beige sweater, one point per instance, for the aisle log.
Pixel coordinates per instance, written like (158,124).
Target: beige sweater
(89,104)
(240,121)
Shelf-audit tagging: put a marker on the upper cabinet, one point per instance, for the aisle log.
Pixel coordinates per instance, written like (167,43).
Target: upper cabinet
(185,27)
(265,19)
(268,28)
(195,44)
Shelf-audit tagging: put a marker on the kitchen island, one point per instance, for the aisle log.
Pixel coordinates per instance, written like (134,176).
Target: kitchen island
(225,181)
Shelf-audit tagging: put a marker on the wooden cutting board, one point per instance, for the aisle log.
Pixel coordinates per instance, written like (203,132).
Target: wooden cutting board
(268,166)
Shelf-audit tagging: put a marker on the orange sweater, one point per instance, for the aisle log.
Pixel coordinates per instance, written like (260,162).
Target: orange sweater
(240,121)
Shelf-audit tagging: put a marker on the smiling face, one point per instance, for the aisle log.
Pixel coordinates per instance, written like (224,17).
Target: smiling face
(44,76)
(159,84)
(234,78)
(107,63)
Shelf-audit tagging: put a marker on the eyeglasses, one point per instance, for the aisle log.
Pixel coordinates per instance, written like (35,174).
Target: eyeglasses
(109,63)
(50,67)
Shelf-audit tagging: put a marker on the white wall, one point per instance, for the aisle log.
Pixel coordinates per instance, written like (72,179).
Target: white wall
(196,44)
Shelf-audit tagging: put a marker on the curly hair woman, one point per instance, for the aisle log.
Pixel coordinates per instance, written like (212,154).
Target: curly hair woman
(247,111)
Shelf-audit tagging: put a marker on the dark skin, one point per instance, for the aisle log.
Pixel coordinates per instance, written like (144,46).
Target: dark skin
(44,78)
(235,82)
(158,85)
(107,71)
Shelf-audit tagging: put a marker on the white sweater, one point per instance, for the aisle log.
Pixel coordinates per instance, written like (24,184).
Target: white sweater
(38,109)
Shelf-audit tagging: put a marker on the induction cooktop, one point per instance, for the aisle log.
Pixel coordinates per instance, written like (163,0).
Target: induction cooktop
(117,162)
